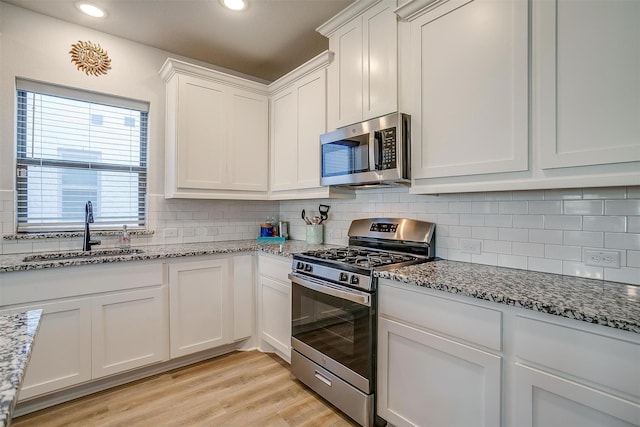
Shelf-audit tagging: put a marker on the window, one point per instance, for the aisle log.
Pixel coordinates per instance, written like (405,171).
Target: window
(75,146)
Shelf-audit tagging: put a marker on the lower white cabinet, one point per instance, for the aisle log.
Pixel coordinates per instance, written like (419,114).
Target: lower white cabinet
(97,320)
(61,355)
(545,399)
(426,378)
(210,303)
(128,330)
(198,306)
(449,360)
(274,304)
(574,376)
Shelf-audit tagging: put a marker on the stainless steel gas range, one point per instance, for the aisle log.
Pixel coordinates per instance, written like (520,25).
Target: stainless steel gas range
(334,309)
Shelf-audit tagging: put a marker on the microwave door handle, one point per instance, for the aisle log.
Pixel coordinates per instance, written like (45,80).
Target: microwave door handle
(373,158)
(378,148)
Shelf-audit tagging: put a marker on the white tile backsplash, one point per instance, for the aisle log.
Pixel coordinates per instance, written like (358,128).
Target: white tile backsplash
(536,230)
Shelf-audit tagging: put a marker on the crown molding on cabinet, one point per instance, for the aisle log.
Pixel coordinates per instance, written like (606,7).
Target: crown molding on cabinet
(172,66)
(352,11)
(319,61)
(415,8)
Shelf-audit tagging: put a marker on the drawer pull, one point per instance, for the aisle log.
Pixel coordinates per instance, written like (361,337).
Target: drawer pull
(322,378)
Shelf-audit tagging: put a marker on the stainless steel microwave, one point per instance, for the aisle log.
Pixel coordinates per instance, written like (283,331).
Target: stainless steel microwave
(371,153)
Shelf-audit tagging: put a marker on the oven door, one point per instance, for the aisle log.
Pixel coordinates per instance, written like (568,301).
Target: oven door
(334,326)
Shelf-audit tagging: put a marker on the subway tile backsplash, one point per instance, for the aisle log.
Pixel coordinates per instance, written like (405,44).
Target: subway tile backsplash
(533,230)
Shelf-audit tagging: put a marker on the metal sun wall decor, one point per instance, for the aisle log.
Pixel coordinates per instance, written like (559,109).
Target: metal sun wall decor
(90,58)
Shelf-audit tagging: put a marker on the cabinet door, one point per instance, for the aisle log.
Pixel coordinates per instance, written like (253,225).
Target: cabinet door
(428,380)
(199,309)
(312,117)
(380,61)
(61,355)
(345,75)
(248,145)
(284,140)
(470,68)
(363,78)
(275,315)
(129,330)
(202,135)
(543,399)
(587,82)
(243,300)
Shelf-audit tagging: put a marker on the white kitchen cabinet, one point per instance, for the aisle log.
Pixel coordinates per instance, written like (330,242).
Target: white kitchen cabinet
(426,374)
(199,306)
(274,304)
(298,118)
(587,86)
(61,355)
(128,330)
(243,291)
(472,90)
(469,69)
(90,321)
(363,78)
(216,138)
(588,379)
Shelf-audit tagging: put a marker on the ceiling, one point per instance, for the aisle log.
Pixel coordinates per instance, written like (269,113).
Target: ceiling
(269,39)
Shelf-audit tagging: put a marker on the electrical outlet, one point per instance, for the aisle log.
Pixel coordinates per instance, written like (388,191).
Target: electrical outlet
(596,258)
(170,232)
(471,246)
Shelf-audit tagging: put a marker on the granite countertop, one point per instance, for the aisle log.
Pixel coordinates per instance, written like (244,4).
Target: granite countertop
(612,304)
(17,332)
(606,303)
(15,262)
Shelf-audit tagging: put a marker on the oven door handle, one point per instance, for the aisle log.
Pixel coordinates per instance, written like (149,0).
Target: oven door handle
(333,290)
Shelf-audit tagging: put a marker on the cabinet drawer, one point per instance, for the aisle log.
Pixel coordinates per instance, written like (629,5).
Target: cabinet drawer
(275,268)
(590,356)
(22,287)
(467,322)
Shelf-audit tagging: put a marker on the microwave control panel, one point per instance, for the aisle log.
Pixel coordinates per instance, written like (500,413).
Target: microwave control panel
(386,140)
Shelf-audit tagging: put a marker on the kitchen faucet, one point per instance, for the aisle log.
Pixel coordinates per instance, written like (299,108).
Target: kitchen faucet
(88,218)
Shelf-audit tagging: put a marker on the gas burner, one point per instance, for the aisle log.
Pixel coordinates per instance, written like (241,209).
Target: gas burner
(359,257)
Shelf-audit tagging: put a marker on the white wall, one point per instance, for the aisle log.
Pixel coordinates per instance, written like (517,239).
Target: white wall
(37,47)
(532,230)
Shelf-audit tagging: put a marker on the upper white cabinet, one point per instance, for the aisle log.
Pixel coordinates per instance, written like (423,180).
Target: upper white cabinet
(216,137)
(363,78)
(587,82)
(518,95)
(469,104)
(298,115)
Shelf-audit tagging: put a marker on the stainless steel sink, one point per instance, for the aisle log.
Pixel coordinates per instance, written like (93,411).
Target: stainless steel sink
(56,256)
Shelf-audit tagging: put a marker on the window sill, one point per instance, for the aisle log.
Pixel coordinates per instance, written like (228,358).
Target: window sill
(72,234)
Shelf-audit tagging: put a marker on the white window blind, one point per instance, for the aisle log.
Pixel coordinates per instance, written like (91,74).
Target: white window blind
(73,147)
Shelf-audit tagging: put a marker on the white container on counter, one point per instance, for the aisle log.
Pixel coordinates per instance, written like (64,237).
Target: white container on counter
(314,233)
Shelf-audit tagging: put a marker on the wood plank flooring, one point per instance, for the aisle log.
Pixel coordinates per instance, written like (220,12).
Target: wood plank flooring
(238,389)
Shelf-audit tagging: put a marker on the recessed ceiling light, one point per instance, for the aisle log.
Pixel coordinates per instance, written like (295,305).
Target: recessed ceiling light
(91,10)
(236,5)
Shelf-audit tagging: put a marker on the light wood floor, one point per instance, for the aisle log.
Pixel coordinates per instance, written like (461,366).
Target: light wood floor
(239,389)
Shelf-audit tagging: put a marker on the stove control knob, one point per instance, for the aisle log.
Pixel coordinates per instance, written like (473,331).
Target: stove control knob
(355,280)
(344,277)
(299,266)
(308,268)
